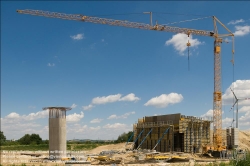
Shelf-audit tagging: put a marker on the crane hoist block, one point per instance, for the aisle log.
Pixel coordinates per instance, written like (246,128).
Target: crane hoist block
(217,49)
(217,96)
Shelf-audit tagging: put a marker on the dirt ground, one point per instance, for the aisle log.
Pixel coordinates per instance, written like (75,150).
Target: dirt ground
(244,140)
(118,147)
(11,158)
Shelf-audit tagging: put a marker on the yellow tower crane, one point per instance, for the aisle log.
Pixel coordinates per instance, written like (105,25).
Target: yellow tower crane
(218,39)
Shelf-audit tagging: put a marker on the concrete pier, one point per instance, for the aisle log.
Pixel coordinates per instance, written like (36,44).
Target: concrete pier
(57,132)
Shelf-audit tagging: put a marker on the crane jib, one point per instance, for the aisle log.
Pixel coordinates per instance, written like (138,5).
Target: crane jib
(97,20)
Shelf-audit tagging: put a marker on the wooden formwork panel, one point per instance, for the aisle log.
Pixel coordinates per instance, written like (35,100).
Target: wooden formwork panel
(154,136)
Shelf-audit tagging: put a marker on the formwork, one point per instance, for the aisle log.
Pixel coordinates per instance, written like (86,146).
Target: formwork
(196,132)
(235,137)
(157,131)
(186,133)
(229,138)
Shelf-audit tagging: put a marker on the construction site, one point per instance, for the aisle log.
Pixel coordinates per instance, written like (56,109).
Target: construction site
(171,139)
(183,133)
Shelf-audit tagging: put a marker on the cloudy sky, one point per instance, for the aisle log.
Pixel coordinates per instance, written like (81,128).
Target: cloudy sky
(111,76)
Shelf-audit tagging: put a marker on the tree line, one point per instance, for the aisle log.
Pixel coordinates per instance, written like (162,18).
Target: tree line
(27,139)
(35,139)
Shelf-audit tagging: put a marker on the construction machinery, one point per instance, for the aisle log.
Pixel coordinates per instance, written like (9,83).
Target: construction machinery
(106,157)
(218,39)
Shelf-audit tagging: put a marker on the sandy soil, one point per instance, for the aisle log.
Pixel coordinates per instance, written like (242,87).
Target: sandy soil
(244,140)
(118,147)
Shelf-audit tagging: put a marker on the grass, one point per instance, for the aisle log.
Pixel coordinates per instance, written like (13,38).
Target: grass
(26,147)
(243,162)
(45,147)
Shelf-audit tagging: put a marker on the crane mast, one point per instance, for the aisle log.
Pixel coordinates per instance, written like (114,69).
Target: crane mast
(217,95)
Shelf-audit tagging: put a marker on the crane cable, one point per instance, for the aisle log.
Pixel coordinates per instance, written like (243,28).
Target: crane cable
(160,17)
(188,45)
(233,74)
(188,20)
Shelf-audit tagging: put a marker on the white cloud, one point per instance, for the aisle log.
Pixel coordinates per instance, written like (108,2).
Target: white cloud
(89,107)
(235,21)
(74,105)
(37,115)
(242,30)
(245,118)
(244,109)
(102,40)
(245,124)
(51,64)
(31,116)
(74,117)
(208,114)
(127,114)
(114,126)
(124,116)
(111,99)
(179,41)
(78,36)
(241,89)
(28,124)
(227,122)
(106,99)
(108,131)
(130,97)
(95,128)
(113,117)
(76,128)
(13,115)
(164,100)
(96,120)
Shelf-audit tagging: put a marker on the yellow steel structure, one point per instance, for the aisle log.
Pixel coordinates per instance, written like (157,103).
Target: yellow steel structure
(218,39)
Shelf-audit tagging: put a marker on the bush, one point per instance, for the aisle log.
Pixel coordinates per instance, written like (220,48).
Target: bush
(33,139)
(124,137)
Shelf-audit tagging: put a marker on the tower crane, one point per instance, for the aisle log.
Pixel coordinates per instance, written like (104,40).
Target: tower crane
(218,39)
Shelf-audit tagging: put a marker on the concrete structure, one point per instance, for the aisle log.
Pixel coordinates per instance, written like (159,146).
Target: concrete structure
(57,131)
(186,133)
(232,138)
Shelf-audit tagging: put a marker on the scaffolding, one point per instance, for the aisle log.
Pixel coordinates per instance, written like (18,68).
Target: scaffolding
(196,131)
(186,133)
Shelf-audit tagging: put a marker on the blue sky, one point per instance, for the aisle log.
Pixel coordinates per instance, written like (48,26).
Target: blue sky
(111,76)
